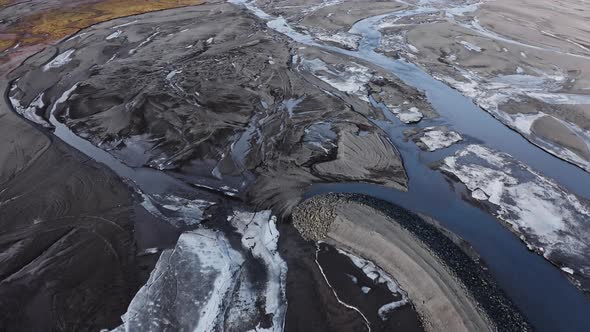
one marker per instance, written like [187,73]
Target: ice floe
[435,138]
[352,79]
[204,284]
[30,112]
[546,216]
[178,211]
[260,237]
[491,93]
[60,60]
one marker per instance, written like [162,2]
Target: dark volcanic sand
[338,268]
[67,246]
[225,104]
[312,304]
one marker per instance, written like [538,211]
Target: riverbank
[450,290]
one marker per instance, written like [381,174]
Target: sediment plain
[164,153]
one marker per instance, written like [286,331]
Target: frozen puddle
[342,39]
[406,115]
[352,80]
[379,276]
[60,60]
[177,211]
[187,288]
[436,138]
[552,221]
[206,284]
[30,112]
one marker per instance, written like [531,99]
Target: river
[539,289]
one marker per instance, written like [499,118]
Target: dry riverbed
[216,124]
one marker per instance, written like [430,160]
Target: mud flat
[433,138]
[530,73]
[233,112]
[232,106]
[68,250]
[204,108]
[446,284]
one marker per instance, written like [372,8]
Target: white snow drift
[545,215]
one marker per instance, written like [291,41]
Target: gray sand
[385,237]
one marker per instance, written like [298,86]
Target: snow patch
[173,73]
[60,60]
[470,46]
[147,40]
[30,112]
[435,138]
[178,211]
[406,115]
[344,39]
[114,35]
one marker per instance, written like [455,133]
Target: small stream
[540,290]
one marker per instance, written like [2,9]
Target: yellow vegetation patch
[58,23]
[4,3]
[6,43]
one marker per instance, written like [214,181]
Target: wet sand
[190,115]
[68,256]
[312,304]
[256,149]
[346,128]
[367,293]
[449,289]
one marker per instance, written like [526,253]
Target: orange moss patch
[6,43]
[59,23]
[4,3]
